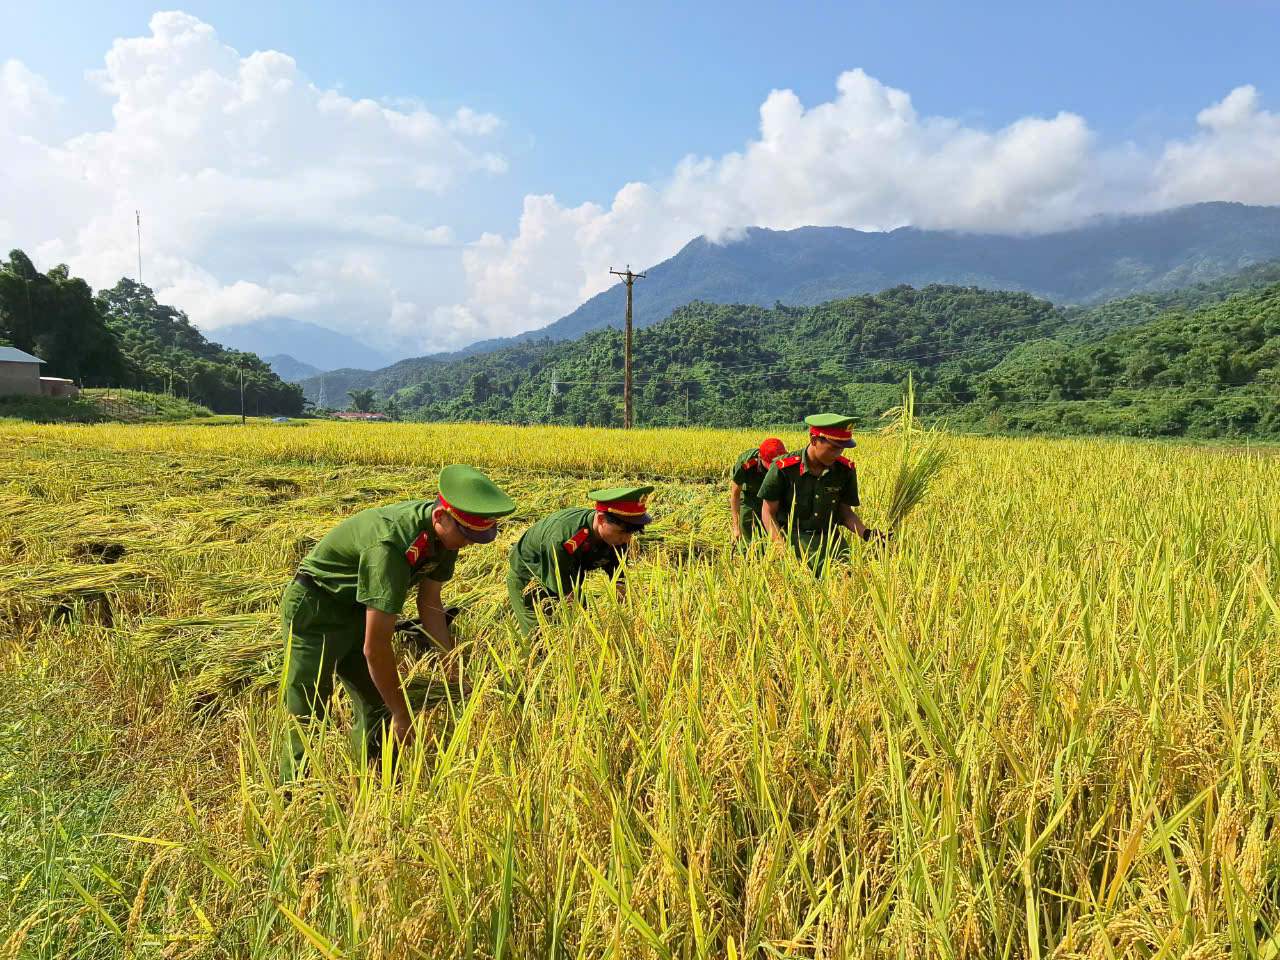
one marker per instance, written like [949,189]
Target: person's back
[749,471]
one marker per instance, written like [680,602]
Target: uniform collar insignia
[577,541]
[421,549]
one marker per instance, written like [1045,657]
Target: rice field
[1041,725]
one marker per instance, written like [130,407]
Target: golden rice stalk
[922,459]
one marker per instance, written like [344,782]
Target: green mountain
[983,359]
[1111,257]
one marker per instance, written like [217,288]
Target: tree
[160,344]
[362,400]
[54,316]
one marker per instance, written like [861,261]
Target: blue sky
[591,97]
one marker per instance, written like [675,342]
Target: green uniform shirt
[807,502]
[373,558]
[748,473]
[543,552]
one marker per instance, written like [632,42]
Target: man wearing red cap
[808,494]
[552,558]
[339,613]
[744,487]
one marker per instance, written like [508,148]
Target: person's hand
[879,538]
[402,729]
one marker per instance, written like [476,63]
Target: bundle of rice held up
[922,458]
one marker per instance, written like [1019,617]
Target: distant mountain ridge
[1111,258]
[291,369]
[312,344]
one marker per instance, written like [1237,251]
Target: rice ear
[923,457]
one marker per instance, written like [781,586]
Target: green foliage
[124,338]
[1201,362]
[166,352]
[1212,372]
[721,365]
[53,316]
[361,400]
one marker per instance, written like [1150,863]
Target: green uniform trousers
[818,548]
[525,602]
[749,523]
[327,639]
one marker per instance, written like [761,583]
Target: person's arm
[772,491]
[735,504]
[769,515]
[849,518]
[431,614]
[378,628]
[846,512]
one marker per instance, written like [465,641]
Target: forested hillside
[1199,361]
[124,338]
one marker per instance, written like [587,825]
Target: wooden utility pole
[628,278]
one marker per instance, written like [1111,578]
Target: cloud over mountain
[265,194]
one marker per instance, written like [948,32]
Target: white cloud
[25,98]
[1234,156]
[262,193]
[867,159]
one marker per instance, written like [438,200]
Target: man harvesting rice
[744,487]
[339,613]
[807,495]
[552,558]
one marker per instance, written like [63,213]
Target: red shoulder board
[419,549]
[790,461]
[752,463]
[846,461]
[578,539]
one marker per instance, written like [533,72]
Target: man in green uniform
[808,494]
[340,611]
[744,487]
[552,558]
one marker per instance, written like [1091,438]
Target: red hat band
[468,520]
[830,433]
[623,508]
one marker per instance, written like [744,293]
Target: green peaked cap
[619,493]
[621,503]
[828,420]
[472,492]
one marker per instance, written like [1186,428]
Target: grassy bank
[101,406]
